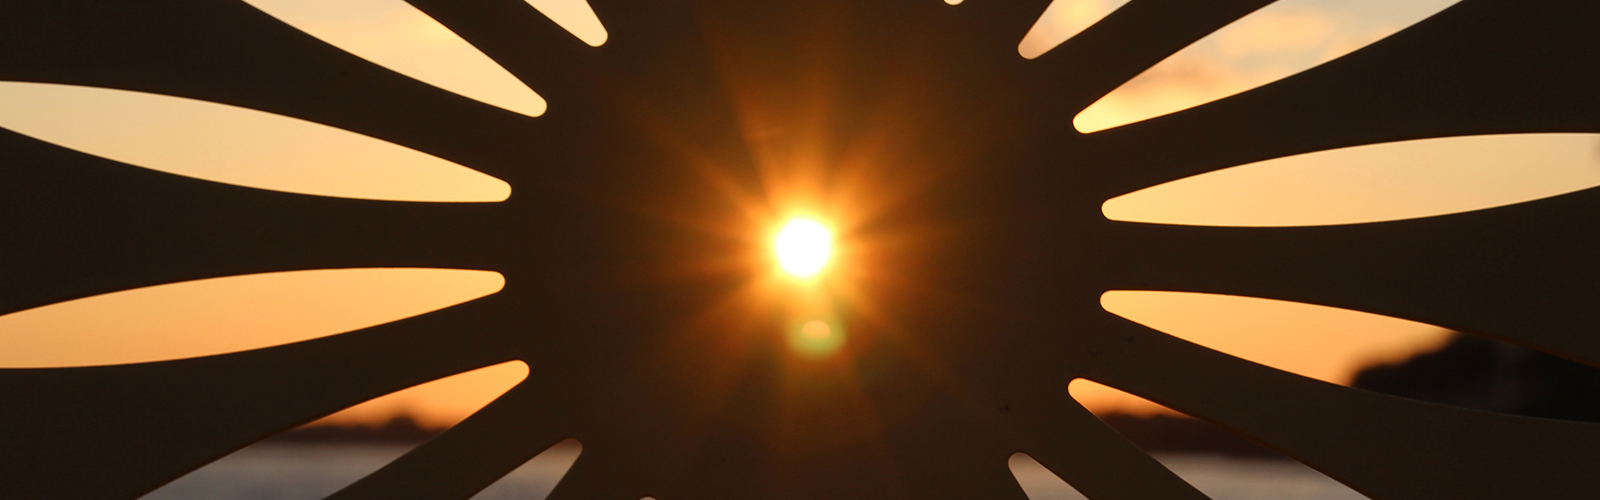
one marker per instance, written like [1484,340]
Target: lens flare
[803,247]
[816,339]
[816,330]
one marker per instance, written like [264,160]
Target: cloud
[1274,43]
[1276,32]
[1176,84]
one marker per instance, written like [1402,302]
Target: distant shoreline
[1155,434]
[401,429]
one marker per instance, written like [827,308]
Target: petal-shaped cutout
[1217,462]
[1102,400]
[576,16]
[1324,343]
[236,145]
[231,314]
[1038,482]
[433,406]
[1062,20]
[1281,39]
[317,459]
[1379,182]
[398,36]
[535,479]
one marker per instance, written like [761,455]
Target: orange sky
[1386,182]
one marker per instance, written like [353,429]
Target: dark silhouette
[1482,374]
[1468,372]
[1181,434]
[953,159]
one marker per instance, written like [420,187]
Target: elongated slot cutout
[230,314]
[1325,343]
[536,478]
[1061,21]
[575,16]
[1279,40]
[1038,482]
[315,460]
[1373,183]
[238,146]
[1217,462]
[398,36]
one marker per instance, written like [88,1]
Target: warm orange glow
[439,404]
[803,247]
[188,319]
[816,330]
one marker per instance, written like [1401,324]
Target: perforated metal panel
[971,317]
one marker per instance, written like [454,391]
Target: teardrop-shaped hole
[1038,482]
[235,145]
[317,459]
[1215,461]
[231,314]
[1279,40]
[1062,20]
[537,477]
[1373,183]
[1363,350]
[576,16]
[396,35]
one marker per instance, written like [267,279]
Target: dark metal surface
[976,329]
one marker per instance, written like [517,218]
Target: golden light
[816,330]
[803,247]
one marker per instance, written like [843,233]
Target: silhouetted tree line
[1468,372]
[1482,374]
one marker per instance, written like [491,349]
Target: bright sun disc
[803,247]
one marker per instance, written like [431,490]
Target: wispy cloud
[1277,41]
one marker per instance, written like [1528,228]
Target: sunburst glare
[803,247]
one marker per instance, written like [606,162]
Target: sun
[803,247]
